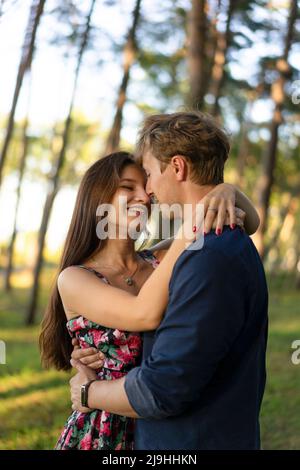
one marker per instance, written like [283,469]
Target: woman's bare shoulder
[72,277]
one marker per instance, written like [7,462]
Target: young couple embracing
[169,343]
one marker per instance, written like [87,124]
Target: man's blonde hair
[193,135]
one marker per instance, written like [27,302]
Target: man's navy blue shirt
[202,378]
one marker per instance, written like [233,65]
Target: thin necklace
[128,279]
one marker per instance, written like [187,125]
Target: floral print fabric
[101,430]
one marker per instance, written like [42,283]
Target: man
[202,378]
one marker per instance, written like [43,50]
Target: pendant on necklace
[129,281]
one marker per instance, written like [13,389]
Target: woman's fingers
[240,223]
[209,220]
[240,217]
[240,214]
[221,217]
[205,201]
[218,212]
[232,214]
[211,214]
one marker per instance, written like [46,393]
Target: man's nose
[149,190]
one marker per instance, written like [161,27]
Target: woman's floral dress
[100,430]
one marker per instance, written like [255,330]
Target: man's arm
[204,316]
[111,394]
[106,395]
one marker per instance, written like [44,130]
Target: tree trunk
[269,162]
[241,159]
[197,33]
[289,226]
[54,180]
[243,148]
[11,247]
[212,41]
[35,15]
[129,52]
[9,267]
[283,230]
[220,59]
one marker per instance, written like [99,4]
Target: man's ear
[180,167]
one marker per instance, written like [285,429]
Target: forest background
[77,78]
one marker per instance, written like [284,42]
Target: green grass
[281,406]
[35,403]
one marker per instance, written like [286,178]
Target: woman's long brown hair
[98,186]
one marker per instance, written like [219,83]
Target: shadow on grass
[42,385]
[34,420]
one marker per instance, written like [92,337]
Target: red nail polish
[232,226]
[204,233]
[219,231]
[194,228]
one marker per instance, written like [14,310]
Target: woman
[119,285]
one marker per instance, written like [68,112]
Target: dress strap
[92,270]
[147,255]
